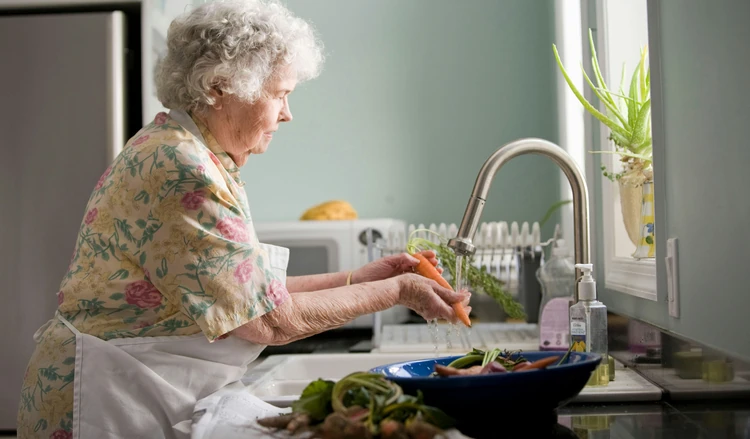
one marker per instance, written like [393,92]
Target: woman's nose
[286,114]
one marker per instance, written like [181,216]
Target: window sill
[632,276]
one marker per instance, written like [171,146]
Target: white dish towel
[231,413]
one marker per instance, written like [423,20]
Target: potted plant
[628,116]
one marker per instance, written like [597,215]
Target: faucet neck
[462,243]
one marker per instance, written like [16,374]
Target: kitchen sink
[308,367]
[280,379]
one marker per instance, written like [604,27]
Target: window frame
[621,274]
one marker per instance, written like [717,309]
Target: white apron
[141,387]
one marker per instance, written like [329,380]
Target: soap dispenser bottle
[588,325]
[557,277]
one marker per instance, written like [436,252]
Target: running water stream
[452,330]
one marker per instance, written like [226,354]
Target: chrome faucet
[462,243]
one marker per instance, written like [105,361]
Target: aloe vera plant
[627,115]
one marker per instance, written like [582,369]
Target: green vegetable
[490,356]
[409,407]
[378,399]
[567,354]
[315,400]
[357,396]
[359,382]
[467,361]
[477,356]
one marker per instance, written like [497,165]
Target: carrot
[429,271]
[538,364]
[520,366]
[426,269]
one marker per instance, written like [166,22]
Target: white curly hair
[235,46]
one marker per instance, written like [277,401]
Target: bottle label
[553,325]
[578,334]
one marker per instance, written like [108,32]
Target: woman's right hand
[428,299]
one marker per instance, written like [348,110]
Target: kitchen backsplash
[684,369]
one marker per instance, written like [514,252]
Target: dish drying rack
[512,253]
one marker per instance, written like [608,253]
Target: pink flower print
[140,140]
[142,325]
[244,271]
[193,200]
[277,292]
[160,118]
[234,229]
[91,216]
[104,176]
[201,169]
[214,159]
[60,298]
[222,337]
[142,294]
[61,434]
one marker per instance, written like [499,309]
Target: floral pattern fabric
[166,247]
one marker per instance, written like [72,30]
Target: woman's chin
[255,151]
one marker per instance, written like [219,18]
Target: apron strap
[67,323]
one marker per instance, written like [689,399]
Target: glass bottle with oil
[588,325]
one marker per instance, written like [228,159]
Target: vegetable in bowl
[478,362]
[478,402]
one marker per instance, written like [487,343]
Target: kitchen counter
[631,421]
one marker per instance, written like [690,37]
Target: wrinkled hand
[428,299]
[389,266]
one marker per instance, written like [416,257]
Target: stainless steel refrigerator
[76,81]
[63,118]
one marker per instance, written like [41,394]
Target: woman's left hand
[390,266]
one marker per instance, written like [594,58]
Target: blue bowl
[480,399]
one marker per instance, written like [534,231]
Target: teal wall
[700,59]
[414,96]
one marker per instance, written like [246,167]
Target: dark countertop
[663,420]
[660,420]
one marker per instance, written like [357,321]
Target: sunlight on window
[625,33]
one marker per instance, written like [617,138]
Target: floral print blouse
[166,247]
[167,244]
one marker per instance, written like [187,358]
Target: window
[622,30]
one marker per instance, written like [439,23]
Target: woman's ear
[218,96]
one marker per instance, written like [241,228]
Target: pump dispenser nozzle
[587,285]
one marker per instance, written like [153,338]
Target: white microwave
[317,247]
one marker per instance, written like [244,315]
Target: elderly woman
[169,295]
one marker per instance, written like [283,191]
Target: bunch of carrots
[414,246]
